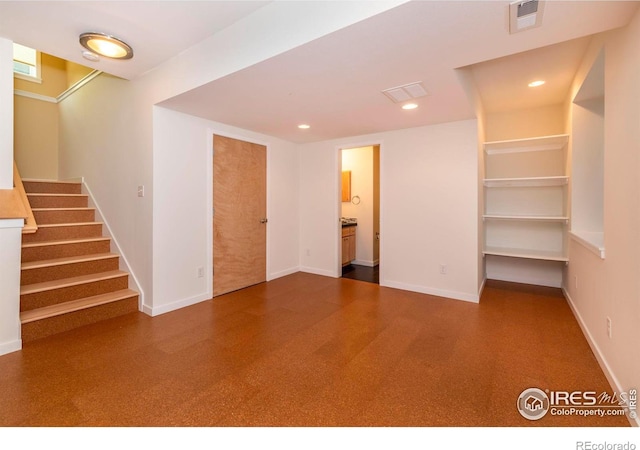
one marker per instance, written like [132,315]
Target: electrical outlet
[609,327]
[200,272]
[141,191]
[575,281]
[443,269]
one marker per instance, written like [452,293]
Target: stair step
[49,320]
[48,293]
[75,305]
[40,200]
[60,268]
[51,186]
[36,251]
[60,231]
[63,215]
[69,277]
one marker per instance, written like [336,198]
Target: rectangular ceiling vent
[405,92]
[524,15]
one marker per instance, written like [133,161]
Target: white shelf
[525,209]
[592,240]
[526,182]
[526,253]
[526,218]
[556,142]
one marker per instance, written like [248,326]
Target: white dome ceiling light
[106,45]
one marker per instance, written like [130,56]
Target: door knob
[263,220]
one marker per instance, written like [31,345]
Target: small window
[26,63]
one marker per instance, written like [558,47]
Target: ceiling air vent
[524,15]
[405,92]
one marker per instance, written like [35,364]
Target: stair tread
[53,194]
[67,260]
[75,305]
[70,208]
[45,180]
[65,242]
[68,224]
[72,281]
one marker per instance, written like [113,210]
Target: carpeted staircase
[69,276]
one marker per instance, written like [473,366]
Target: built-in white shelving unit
[526,214]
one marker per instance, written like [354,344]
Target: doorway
[239,219]
[360,213]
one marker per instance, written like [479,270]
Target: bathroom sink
[349,220]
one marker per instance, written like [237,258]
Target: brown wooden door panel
[240,205]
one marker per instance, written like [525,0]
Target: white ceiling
[157,30]
[503,82]
[334,83]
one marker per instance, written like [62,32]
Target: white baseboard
[10,347]
[602,361]
[473,298]
[283,273]
[481,289]
[313,270]
[520,278]
[158,310]
[359,262]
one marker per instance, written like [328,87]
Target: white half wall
[10,249]
[10,229]
[183,207]
[428,208]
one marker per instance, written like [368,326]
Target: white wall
[360,162]
[6,114]
[11,229]
[587,172]
[600,288]
[105,136]
[428,208]
[182,171]
[10,249]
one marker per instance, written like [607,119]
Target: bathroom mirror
[346,186]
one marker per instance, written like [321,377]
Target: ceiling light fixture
[536,83]
[304,126]
[410,106]
[106,45]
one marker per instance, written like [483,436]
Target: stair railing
[30,225]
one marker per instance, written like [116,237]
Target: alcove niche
[587,160]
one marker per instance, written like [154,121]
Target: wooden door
[240,211]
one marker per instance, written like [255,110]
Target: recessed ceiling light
[410,106]
[536,83]
[304,126]
[106,45]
